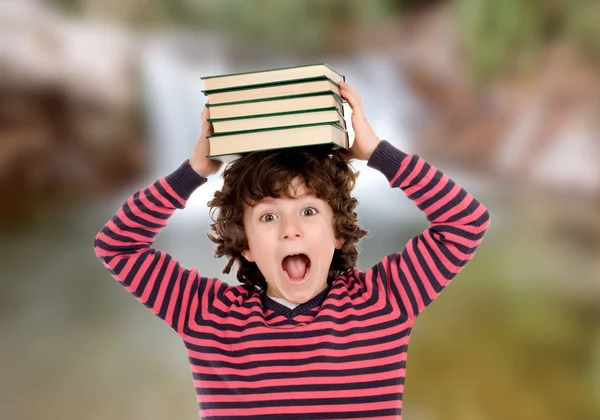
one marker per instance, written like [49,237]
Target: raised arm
[457,224]
[457,221]
[124,244]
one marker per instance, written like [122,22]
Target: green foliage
[497,34]
[70,6]
[488,349]
[292,24]
[582,24]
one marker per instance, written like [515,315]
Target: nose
[290,229]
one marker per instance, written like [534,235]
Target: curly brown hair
[327,174]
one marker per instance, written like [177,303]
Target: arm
[124,246]
[457,224]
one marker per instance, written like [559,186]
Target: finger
[355,103]
[347,95]
[353,92]
[205,118]
[348,88]
[207,127]
[350,95]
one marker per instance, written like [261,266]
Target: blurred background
[100,98]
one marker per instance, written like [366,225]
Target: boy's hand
[365,139]
[199,162]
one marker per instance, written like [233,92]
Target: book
[271,76]
[229,146]
[273,109]
[274,91]
[287,119]
[273,106]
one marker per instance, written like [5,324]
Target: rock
[70,123]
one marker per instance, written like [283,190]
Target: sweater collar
[298,310]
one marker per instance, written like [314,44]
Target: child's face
[292,242]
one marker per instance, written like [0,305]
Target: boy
[307,335]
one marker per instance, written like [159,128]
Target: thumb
[207,127]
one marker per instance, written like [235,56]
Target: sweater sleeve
[457,223]
[124,246]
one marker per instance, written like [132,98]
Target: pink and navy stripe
[341,355]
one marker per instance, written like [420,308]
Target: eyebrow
[268,200]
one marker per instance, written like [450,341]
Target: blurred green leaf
[499,34]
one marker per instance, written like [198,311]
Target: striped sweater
[342,354]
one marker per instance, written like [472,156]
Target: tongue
[295,266]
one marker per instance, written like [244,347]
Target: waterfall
[174,100]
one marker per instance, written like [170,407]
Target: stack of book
[274,109]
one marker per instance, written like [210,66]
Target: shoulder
[233,294]
[211,289]
[357,278]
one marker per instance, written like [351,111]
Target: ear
[248,255]
[339,242]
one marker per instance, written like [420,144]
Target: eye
[268,217]
[309,211]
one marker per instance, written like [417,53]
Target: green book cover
[267,71]
[258,130]
[340,121]
[321,92]
[276,114]
[267,84]
[329,92]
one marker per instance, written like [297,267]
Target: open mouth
[296,267]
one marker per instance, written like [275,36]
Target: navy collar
[298,310]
